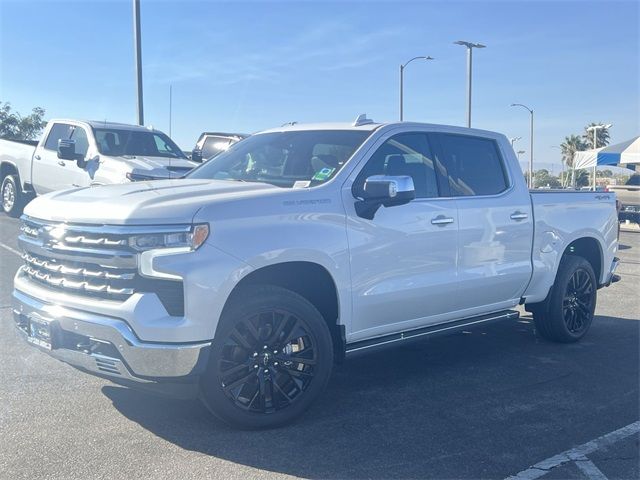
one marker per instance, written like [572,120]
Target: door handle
[61,163]
[441,220]
[37,157]
[517,216]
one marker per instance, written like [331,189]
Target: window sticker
[323,174]
[301,184]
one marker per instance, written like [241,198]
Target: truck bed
[560,217]
[18,153]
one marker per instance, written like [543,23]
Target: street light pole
[402,67]
[138,55]
[470,46]
[514,140]
[530,110]
[595,145]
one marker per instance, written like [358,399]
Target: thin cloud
[331,46]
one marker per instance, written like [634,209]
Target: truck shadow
[463,406]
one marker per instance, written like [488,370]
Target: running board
[395,339]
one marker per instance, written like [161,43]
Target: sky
[247,66]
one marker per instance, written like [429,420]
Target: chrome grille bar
[79,271]
[74,285]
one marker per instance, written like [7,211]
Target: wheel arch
[546,265]
[590,249]
[8,168]
[308,279]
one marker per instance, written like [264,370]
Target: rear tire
[270,359]
[13,200]
[566,315]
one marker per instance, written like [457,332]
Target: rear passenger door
[403,261]
[495,222]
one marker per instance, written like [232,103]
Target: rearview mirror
[66,149]
[196,155]
[386,190]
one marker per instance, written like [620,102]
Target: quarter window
[474,165]
[403,154]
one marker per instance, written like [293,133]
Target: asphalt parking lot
[487,403]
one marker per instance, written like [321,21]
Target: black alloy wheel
[567,312]
[267,361]
[271,357]
[577,306]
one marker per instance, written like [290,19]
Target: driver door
[50,172]
[404,261]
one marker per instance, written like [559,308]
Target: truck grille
[93,261]
[79,276]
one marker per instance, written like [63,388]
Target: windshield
[285,159]
[118,143]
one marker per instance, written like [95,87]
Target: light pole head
[469,44]
[422,57]
[595,127]
[523,106]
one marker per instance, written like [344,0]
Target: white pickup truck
[298,246]
[73,153]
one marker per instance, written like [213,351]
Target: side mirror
[196,155]
[386,190]
[66,149]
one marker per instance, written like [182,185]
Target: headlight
[190,239]
[138,177]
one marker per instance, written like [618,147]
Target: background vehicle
[244,281]
[629,197]
[75,153]
[210,144]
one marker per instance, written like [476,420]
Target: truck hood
[161,167]
[138,203]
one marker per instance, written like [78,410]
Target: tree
[542,178]
[571,145]
[602,136]
[582,178]
[16,127]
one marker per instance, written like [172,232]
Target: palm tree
[571,145]
[602,134]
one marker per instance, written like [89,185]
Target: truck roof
[104,124]
[375,125]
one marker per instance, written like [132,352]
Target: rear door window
[58,131]
[474,165]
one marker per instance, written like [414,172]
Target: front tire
[567,314]
[270,359]
[13,200]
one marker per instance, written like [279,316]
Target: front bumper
[105,346]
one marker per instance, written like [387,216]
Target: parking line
[10,249]
[577,454]
[590,470]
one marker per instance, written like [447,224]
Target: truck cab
[76,154]
[103,153]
